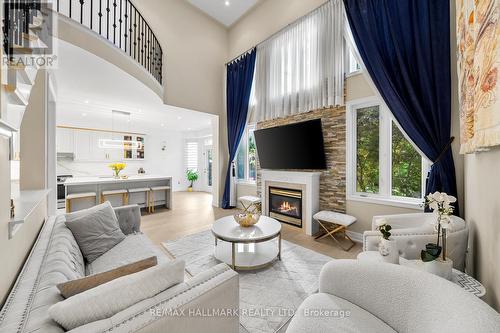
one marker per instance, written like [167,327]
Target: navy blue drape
[239,85]
[405,46]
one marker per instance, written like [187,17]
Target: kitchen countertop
[111,180]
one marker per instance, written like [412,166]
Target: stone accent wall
[333,179]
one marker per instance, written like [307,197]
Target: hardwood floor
[193,212]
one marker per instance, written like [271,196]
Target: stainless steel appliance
[61,191]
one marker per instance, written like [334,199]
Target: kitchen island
[80,185]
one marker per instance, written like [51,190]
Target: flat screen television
[295,146]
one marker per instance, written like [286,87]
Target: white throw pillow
[112,297]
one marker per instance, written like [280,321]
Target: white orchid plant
[441,204]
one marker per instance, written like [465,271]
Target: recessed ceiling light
[189,128]
[84,114]
[162,125]
[86,101]
[179,118]
[227,3]
[140,111]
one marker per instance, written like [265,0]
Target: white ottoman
[250,204]
[334,223]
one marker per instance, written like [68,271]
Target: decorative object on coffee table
[246,219]
[441,205]
[246,248]
[387,246]
[335,223]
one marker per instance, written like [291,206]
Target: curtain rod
[274,34]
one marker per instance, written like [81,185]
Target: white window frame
[244,140]
[352,63]
[190,143]
[384,196]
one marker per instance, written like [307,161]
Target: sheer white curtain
[302,67]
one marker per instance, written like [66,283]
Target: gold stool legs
[330,229]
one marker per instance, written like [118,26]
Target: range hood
[66,156]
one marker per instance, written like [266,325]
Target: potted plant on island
[387,246]
[434,255]
[192,176]
[117,167]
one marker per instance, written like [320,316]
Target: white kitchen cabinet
[84,145]
[65,140]
[98,152]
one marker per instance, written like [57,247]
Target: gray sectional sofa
[56,258]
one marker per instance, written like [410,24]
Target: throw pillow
[70,217]
[96,232]
[73,287]
[109,298]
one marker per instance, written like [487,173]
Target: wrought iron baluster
[81,11]
[142,40]
[107,19]
[114,22]
[120,21]
[91,13]
[70,7]
[125,35]
[100,17]
[135,33]
[57,5]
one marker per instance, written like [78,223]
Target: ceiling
[225,11]
[90,87]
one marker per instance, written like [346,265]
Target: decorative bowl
[246,219]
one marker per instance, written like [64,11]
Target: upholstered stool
[152,196]
[146,194]
[123,193]
[250,204]
[334,223]
[75,196]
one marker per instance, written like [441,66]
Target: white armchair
[413,231]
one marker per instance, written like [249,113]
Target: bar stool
[123,193]
[152,196]
[75,196]
[139,190]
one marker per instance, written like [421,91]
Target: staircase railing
[120,23]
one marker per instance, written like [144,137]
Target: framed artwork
[478,48]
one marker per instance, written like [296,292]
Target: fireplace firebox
[285,205]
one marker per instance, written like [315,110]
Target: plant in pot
[117,167]
[387,246]
[192,176]
[434,255]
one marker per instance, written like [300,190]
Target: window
[191,155]
[353,65]
[246,157]
[382,163]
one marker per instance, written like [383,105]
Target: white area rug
[271,294]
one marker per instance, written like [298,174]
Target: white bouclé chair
[357,296]
[413,231]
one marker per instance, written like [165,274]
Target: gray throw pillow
[96,231]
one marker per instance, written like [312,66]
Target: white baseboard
[355,236]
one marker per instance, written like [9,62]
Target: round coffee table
[247,248]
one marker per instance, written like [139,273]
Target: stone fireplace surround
[307,182]
[331,183]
